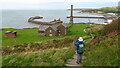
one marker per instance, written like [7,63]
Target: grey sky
[55,4]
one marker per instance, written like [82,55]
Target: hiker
[80,49]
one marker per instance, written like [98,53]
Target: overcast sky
[55,4]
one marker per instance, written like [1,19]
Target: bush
[113,27]
[109,10]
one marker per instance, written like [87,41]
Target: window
[58,31]
[50,30]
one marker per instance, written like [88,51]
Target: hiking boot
[77,62]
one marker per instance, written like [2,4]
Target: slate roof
[44,27]
[54,27]
[64,25]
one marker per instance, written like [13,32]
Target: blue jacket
[77,43]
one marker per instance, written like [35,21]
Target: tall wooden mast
[71,15]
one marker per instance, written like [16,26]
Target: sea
[18,19]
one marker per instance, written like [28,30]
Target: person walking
[79,49]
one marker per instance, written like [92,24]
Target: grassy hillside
[33,50]
[107,10]
[104,53]
[31,35]
[46,58]
[39,46]
[49,53]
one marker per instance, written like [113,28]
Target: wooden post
[71,16]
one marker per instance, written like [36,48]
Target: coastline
[20,28]
[66,23]
[19,19]
[36,26]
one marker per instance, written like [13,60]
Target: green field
[31,35]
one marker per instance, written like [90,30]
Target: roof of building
[64,25]
[10,32]
[44,27]
[54,27]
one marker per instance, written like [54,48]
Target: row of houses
[59,29]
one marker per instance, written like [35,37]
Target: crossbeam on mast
[85,17]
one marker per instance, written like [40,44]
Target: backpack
[81,48]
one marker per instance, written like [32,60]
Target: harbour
[19,18]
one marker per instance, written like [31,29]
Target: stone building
[53,30]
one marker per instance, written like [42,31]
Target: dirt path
[89,33]
[72,62]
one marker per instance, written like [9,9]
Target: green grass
[77,29]
[31,35]
[109,10]
[96,30]
[104,53]
[52,53]
[46,58]
[24,36]
[44,45]
[0,48]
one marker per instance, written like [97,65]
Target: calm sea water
[19,18]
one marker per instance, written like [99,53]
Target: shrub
[113,27]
